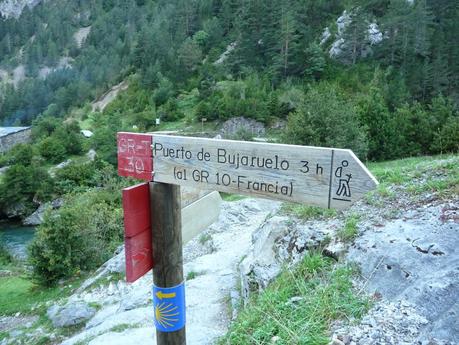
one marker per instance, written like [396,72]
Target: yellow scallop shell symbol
[166,314]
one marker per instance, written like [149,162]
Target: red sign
[135,156]
[137,231]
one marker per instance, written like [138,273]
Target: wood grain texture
[167,246]
[331,178]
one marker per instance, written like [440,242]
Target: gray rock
[15,210]
[86,133]
[233,127]
[91,154]
[36,218]
[5,273]
[114,265]
[14,8]
[57,203]
[3,170]
[415,259]
[135,299]
[261,266]
[277,242]
[63,164]
[226,53]
[71,314]
[16,333]
[52,311]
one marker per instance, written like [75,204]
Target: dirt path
[211,264]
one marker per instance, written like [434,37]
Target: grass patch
[5,256]
[231,197]
[323,292]
[350,229]
[192,274]
[405,170]
[19,294]
[121,328]
[204,238]
[306,212]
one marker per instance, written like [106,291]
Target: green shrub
[300,306]
[52,149]
[5,256]
[75,175]
[69,134]
[326,119]
[379,125]
[44,126]
[21,154]
[25,185]
[79,236]
[445,125]
[413,126]
[447,138]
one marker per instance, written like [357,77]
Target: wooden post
[165,204]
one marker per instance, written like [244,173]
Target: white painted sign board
[326,177]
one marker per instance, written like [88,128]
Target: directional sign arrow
[325,177]
[162,295]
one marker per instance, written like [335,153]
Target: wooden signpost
[326,177]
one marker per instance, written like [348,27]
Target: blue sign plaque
[169,304]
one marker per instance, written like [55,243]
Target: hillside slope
[403,237]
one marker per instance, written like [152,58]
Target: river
[16,238]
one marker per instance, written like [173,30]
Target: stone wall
[9,140]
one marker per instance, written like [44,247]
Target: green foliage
[5,256]
[44,126]
[52,149]
[350,229]
[306,212]
[71,138]
[326,118]
[21,154]
[79,236]
[445,125]
[380,126]
[25,185]
[19,294]
[324,293]
[75,176]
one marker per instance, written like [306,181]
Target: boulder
[71,314]
[15,210]
[86,133]
[261,266]
[237,125]
[4,170]
[278,242]
[91,154]
[36,218]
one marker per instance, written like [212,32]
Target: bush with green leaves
[52,149]
[378,125]
[75,176]
[445,126]
[80,236]
[26,186]
[21,154]
[44,126]
[5,256]
[327,119]
[69,134]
